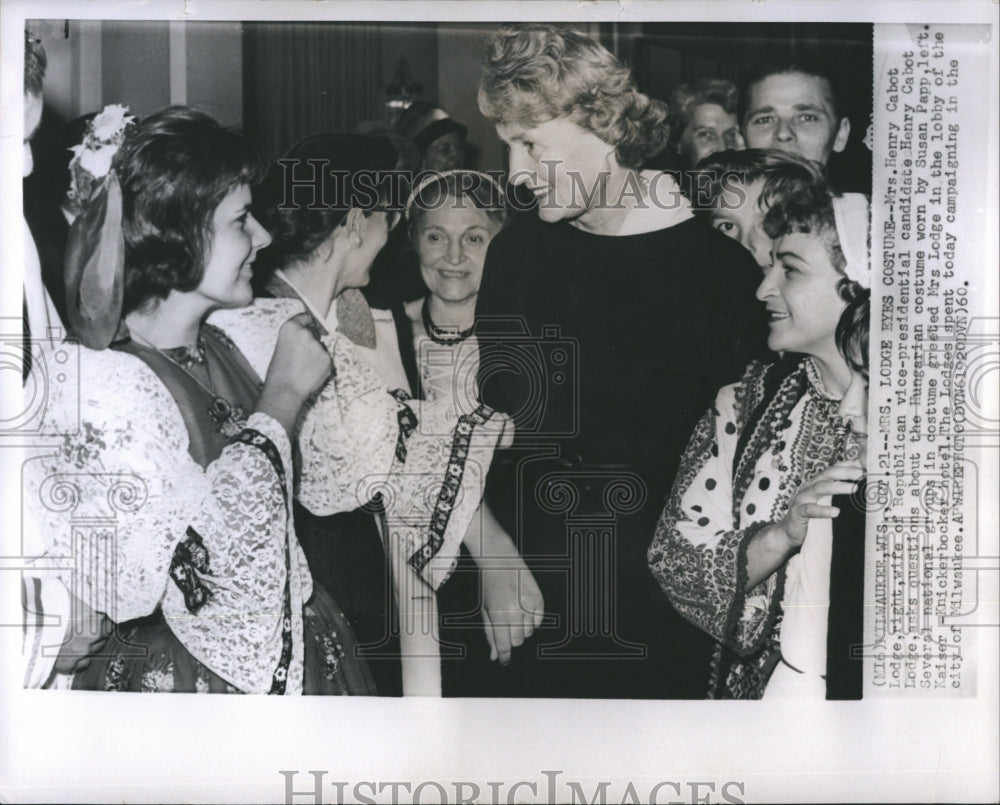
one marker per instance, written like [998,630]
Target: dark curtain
[305,78]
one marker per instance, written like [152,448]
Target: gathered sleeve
[699,551]
[137,524]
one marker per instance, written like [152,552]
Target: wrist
[775,539]
[281,405]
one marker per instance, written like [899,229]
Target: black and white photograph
[592,407]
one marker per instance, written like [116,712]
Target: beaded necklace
[442,335]
[229,419]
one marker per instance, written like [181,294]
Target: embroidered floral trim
[331,650]
[279,681]
[186,357]
[735,677]
[816,379]
[467,423]
[765,429]
[116,675]
[761,598]
[254,438]
[218,334]
[686,571]
[407,422]
[158,677]
[748,392]
[191,558]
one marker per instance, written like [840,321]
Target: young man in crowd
[794,109]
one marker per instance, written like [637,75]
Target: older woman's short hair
[458,189]
[689,96]
[783,174]
[175,168]
[810,210]
[536,73]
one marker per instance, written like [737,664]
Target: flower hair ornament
[95,251]
[437,176]
[92,158]
[850,212]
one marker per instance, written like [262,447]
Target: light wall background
[148,65]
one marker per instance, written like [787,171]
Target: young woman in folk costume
[191,397]
[321,255]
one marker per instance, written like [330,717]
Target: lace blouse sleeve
[139,524]
[359,440]
[698,553]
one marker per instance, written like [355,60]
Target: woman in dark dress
[606,323]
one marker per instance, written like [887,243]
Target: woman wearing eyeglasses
[323,248]
[327,205]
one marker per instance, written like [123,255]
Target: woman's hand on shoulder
[300,359]
[299,368]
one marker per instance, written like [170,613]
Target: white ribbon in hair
[437,176]
[850,212]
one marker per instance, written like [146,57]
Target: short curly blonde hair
[536,73]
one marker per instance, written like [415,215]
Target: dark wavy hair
[350,170]
[35,64]
[783,173]
[175,168]
[810,210]
[852,332]
[536,73]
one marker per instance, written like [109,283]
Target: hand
[837,479]
[512,606]
[299,368]
[88,631]
[300,362]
